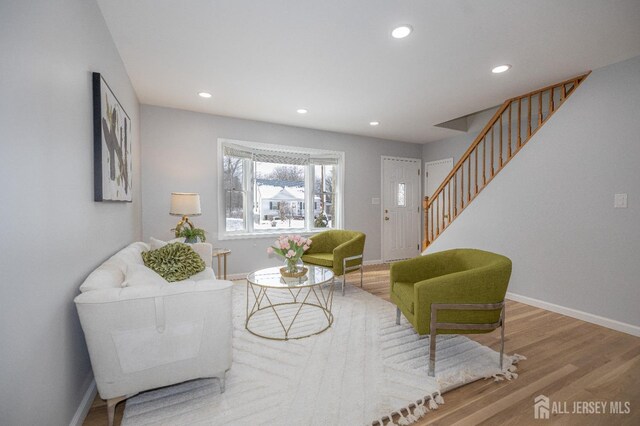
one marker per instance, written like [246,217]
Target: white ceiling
[263,59]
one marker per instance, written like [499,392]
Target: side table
[221,253]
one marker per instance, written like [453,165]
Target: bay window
[265,189]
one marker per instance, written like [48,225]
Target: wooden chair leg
[111,407]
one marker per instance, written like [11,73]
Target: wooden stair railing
[510,128]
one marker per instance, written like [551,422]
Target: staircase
[511,127]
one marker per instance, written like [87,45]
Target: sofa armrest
[141,338]
[141,292]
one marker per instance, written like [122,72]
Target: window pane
[234,194]
[402,202]
[280,196]
[235,217]
[324,196]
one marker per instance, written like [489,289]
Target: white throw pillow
[156,243]
[140,275]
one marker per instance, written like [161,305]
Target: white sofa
[142,336]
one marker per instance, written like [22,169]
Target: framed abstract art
[112,163]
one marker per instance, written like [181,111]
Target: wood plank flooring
[567,360]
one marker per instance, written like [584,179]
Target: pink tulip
[305,247]
[291,253]
[309,241]
[270,250]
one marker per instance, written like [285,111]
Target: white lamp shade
[185,204]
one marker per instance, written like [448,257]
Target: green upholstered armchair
[339,250]
[452,292]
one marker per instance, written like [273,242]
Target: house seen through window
[267,189]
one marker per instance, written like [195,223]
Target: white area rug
[360,371]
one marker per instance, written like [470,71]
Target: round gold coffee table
[289,308]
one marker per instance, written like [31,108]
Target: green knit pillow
[174,262]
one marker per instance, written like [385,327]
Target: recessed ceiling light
[501,68]
[401,31]
[374,123]
[301,111]
[204,94]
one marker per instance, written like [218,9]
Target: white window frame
[249,232]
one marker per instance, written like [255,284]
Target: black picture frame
[112,162]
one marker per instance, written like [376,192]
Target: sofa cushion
[140,275]
[404,292]
[174,262]
[322,259]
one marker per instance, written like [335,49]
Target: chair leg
[502,315]
[361,275]
[344,274]
[397,316]
[111,407]
[432,341]
[432,354]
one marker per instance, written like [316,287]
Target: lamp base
[184,221]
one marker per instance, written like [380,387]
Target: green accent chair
[338,250]
[458,291]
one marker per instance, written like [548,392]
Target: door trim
[432,163]
[420,224]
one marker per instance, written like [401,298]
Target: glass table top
[270,277]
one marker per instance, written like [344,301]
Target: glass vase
[293,265]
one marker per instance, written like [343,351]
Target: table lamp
[184,204]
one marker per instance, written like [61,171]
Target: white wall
[551,209]
[53,233]
[455,146]
[179,153]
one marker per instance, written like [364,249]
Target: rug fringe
[509,372]
[415,411]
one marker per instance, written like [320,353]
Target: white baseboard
[85,404]
[374,262]
[634,330]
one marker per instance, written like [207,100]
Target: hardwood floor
[567,360]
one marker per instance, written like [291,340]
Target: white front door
[434,174]
[400,208]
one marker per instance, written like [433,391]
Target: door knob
[386,218]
